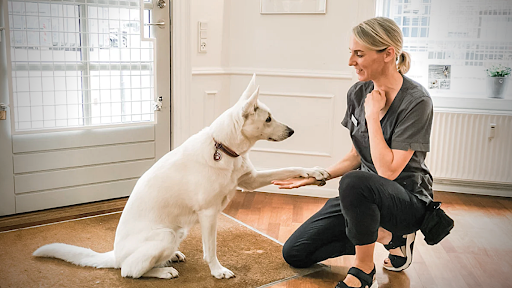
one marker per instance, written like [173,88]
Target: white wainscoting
[271,72]
[308,101]
[462,158]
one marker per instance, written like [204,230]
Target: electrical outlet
[203,45]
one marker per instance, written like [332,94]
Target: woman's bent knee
[351,186]
[294,256]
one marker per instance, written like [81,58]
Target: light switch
[202,36]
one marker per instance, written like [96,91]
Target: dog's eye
[268,119]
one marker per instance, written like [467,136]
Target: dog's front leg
[257,179]
[208,222]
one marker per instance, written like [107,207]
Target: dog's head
[259,123]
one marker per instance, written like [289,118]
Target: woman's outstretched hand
[294,182]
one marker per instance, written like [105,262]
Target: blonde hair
[378,34]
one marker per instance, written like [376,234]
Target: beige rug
[255,259]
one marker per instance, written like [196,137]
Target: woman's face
[369,64]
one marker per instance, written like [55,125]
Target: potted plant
[497,81]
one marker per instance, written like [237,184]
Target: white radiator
[462,154]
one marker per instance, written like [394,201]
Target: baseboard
[53,215]
[473,187]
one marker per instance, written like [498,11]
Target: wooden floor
[478,252]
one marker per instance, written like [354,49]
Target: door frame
[181,71]
[7,198]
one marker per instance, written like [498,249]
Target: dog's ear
[251,105]
[249,90]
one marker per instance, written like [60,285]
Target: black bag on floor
[436,224]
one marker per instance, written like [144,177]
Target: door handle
[158,104]
[3,111]
[160,24]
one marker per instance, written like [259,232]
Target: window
[79,64]
[462,38]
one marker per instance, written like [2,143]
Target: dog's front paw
[318,172]
[222,273]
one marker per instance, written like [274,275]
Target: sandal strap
[397,241]
[397,261]
[365,279]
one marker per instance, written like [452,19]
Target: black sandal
[406,245]
[367,280]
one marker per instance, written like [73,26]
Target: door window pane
[73,64]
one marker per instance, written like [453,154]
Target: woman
[390,118]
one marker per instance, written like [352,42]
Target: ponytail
[404,62]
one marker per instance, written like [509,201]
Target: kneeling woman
[390,118]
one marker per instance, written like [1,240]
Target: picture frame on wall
[293,6]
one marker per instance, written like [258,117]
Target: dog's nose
[290,131]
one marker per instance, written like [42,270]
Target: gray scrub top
[406,125]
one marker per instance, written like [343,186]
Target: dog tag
[217,156]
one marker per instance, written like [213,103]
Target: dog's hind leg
[163,273]
[146,260]
[176,257]
[208,221]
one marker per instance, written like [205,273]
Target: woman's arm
[348,163]
[388,162]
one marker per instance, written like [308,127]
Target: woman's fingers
[293,183]
[282,182]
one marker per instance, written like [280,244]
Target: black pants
[367,201]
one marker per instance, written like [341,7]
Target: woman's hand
[294,182]
[374,102]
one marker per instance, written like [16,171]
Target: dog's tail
[77,255]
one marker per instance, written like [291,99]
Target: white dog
[192,182]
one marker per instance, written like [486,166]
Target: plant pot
[496,86]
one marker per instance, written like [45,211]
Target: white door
[81,82]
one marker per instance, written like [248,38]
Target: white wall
[210,91]
[303,42]
[242,41]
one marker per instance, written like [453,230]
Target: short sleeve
[413,129]
[350,107]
